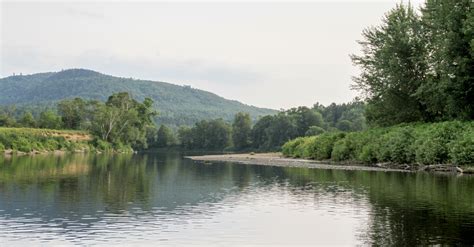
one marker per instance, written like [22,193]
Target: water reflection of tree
[407,209]
[120,180]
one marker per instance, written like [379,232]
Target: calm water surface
[163,199]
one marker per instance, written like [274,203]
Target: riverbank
[277,159]
[31,141]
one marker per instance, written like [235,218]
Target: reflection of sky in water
[156,199]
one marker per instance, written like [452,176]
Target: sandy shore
[276,159]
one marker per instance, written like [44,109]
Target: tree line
[418,66]
[268,132]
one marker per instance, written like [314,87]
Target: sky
[268,54]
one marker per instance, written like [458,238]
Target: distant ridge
[177,105]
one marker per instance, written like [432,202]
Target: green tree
[345,125]
[259,134]
[73,112]
[49,120]
[185,136]
[123,120]
[305,118]
[7,116]
[241,130]
[449,30]
[281,130]
[165,137]
[393,68]
[314,131]
[27,120]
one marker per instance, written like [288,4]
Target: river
[163,199]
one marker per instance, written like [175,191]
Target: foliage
[351,114]
[419,67]
[123,120]
[73,112]
[426,143]
[49,120]
[165,137]
[208,135]
[241,130]
[27,120]
[314,130]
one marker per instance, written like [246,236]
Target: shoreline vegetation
[415,146]
[30,141]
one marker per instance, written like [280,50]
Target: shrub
[103,146]
[289,147]
[51,144]
[397,145]
[2,147]
[350,146]
[409,143]
[22,144]
[321,146]
[432,142]
[461,150]
[368,154]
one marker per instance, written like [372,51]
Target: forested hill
[177,105]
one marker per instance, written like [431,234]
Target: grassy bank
[30,140]
[425,144]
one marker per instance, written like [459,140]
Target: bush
[22,144]
[320,148]
[2,148]
[423,143]
[350,146]
[432,142]
[368,154]
[397,145]
[462,150]
[103,146]
[289,148]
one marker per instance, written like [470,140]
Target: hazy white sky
[276,55]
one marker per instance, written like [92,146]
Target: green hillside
[177,105]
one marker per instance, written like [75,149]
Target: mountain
[177,105]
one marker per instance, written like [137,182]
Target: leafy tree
[280,131]
[314,131]
[123,120]
[7,116]
[259,134]
[449,30]
[345,125]
[165,137]
[49,120]
[27,120]
[393,67]
[212,135]
[304,118]
[241,130]
[73,112]
[185,136]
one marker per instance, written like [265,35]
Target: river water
[163,199]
